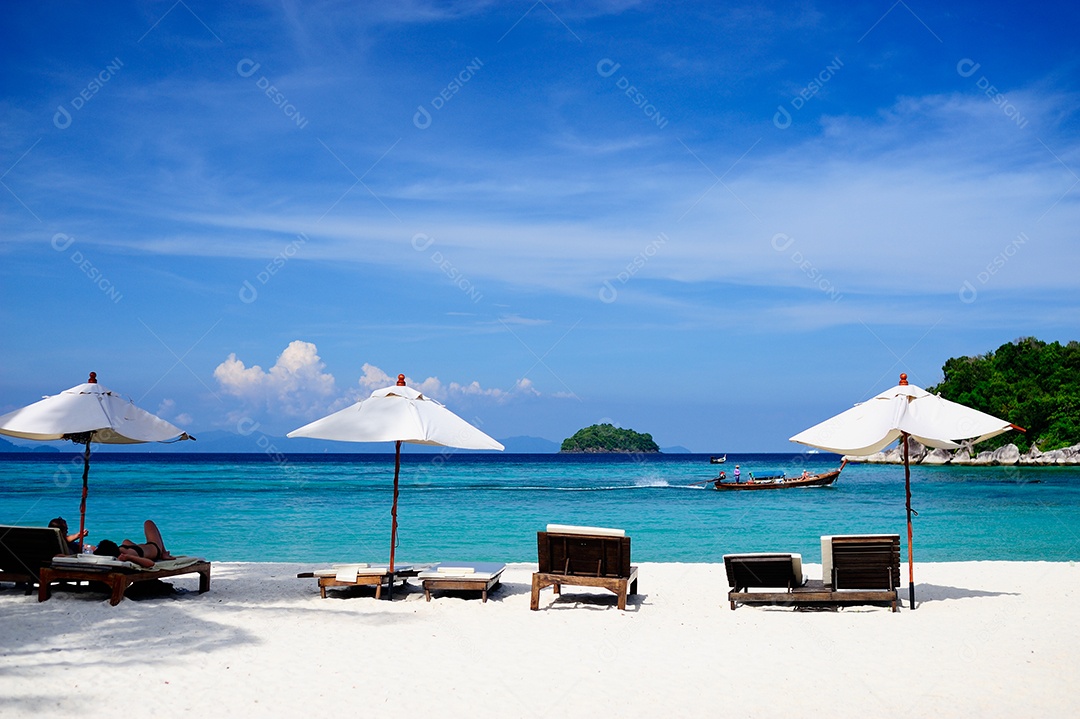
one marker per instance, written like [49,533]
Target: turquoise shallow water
[323,508]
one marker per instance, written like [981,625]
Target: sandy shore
[988,639]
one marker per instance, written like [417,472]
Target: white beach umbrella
[898,413]
[88,413]
[398,414]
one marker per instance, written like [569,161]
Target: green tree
[608,438]
[1033,384]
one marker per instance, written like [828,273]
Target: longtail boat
[814,480]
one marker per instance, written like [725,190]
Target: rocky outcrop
[1007,455]
[937,456]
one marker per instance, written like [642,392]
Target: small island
[608,438]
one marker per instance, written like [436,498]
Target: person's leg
[128,555]
[153,535]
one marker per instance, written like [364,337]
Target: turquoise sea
[327,508]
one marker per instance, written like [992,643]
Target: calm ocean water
[326,508]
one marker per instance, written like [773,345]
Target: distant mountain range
[229,443]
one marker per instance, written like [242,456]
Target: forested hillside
[1030,383]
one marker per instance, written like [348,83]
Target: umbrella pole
[907,488]
[393,517]
[85,484]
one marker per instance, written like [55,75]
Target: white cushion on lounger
[826,559]
[92,561]
[571,529]
[481,571]
[349,572]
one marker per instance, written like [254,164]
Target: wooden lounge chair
[858,569]
[863,568]
[361,575]
[747,572]
[25,550]
[584,556]
[117,575]
[466,576]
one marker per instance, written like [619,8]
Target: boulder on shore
[1008,454]
[937,456]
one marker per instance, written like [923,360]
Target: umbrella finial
[903,379]
[93,378]
[401,380]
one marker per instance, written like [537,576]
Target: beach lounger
[25,550]
[857,569]
[749,574]
[467,576]
[118,575]
[862,567]
[361,575]
[584,556]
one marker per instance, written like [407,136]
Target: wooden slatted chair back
[760,571]
[25,550]
[866,562]
[583,555]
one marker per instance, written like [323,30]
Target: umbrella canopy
[898,413]
[87,413]
[398,414]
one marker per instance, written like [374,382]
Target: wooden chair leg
[534,599]
[118,587]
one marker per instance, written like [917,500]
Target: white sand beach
[988,639]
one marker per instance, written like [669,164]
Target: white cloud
[296,385]
[375,378]
[166,410]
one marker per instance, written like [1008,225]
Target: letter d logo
[782,118]
[246,67]
[248,293]
[422,118]
[607,67]
[62,118]
[61,242]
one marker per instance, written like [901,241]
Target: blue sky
[719,225]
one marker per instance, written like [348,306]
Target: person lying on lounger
[145,555]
